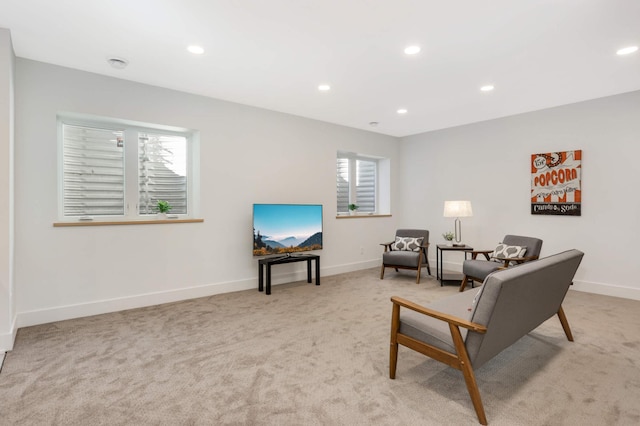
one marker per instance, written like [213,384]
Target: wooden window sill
[126,222]
[361,216]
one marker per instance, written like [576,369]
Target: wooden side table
[440,248]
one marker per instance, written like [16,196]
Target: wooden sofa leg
[382,272]
[565,324]
[463,284]
[467,372]
[474,393]
[393,349]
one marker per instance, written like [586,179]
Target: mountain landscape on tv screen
[264,245]
[291,241]
[314,240]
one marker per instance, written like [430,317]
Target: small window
[111,170]
[356,183]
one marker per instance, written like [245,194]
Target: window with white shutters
[356,182]
[117,170]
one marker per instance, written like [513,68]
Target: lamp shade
[457,209]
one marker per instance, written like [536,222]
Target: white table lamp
[457,209]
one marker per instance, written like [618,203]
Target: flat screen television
[286,228]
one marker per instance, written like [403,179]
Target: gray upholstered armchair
[408,251]
[513,250]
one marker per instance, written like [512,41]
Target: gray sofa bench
[466,330]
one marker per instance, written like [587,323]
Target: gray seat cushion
[433,331]
[401,258]
[479,268]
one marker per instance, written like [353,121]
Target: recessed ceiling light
[402,111]
[196,50]
[412,50]
[117,63]
[373,123]
[627,50]
[487,88]
[324,87]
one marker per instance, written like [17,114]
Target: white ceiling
[274,53]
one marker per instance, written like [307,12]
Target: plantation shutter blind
[93,171]
[366,185]
[162,172]
[342,184]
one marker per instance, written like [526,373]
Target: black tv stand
[268,261]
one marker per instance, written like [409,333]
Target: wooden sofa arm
[518,260]
[451,319]
[475,253]
[387,246]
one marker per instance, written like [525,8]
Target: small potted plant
[163,208]
[353,208]
[448,236]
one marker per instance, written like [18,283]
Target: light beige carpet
[315,355]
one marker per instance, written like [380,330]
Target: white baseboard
[584,286]
[7,339]
[61,313]
[606,289]
[447,266]
[351,267]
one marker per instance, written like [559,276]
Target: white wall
[7,285]
[248,155]
[488,163]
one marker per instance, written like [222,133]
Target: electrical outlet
[361,250]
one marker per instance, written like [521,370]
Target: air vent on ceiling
[118,63]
